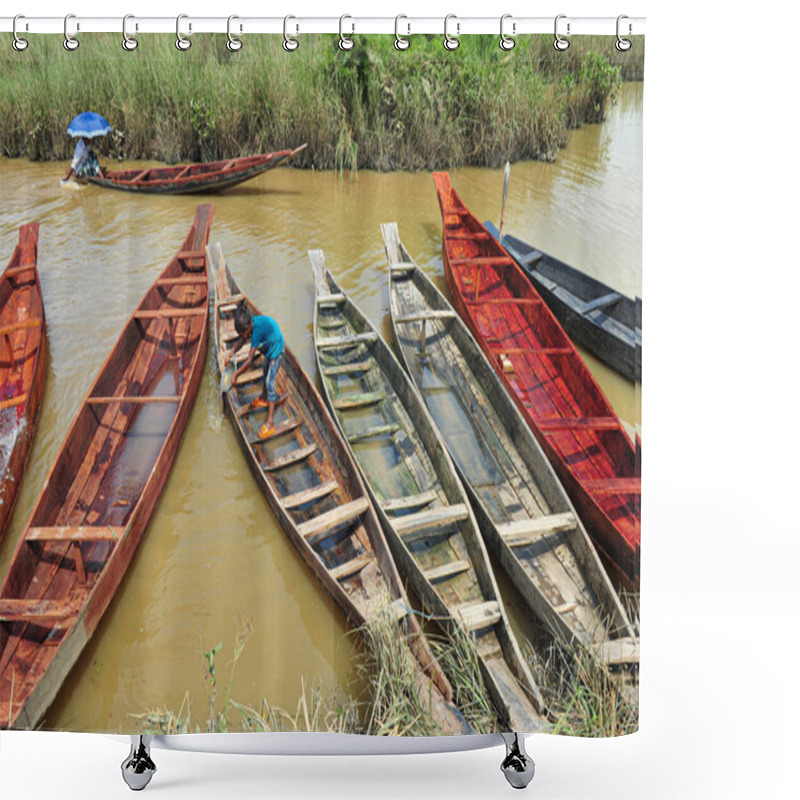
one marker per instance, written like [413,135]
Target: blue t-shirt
[267,337]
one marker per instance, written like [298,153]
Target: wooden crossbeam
[480,615]
[281,429]
[331,299]
[347,369]
[410,501]
[482,261]
[512,301]
[352,567]
[614,486]
[369,433]
[423,523]
[164,313]
[425,316]
[618,651]
[334,342]
[526,531]
[447,570]
[309,495]
[189,255]
[349,401]
[479,236]
[133,399]
[82,533]
[534,351]
[50,613]
[185,281]
[288,459]
[333,518]
[601,302]
[229,303]
[579,423]
[20,326]
[12,271]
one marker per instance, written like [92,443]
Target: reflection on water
[213,552]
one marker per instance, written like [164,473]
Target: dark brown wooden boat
[103,485]
[23,364]
[205,177]
[426,515]
[312,484]
[526,518]
[550,383]
[604,321]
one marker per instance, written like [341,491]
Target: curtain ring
[400,42]
[345,43]
[623,45]
[290,44]
[234,44]
[128,42]
[506,42]
[19,43]
[561,43]
[70,42]
[181,42]
[451,42]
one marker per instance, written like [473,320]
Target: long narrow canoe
[205,177]
[548,380]
[607,323]
[312,484]
[23,364]
[526,517]
[420,500]
[103,486]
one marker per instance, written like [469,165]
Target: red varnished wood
[23,363]
[105,477]
[548,381]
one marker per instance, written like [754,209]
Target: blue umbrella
[88,125]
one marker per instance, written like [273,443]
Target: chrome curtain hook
[623,45]
[506,42]
[345,43]
[234,44]
[451,42]
[400,42]
[290,44]
[70,42]
[128,42]
[19,43]
[181,42]
[561,43]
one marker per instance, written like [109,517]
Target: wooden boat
[205,177]
[103,486]
[420,500]
[553,388]
[23,364]
[608,324]
[526,517]
[312,484]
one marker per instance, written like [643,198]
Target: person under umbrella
[84,127]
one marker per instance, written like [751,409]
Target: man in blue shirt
[265,338]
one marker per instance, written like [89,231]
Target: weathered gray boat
[414,486]
[526,517]
[607,323]
[308,476]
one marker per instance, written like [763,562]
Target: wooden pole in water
[506,179]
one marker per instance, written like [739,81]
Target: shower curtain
[320,386]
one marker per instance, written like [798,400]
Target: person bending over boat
[84,162]
[265,338]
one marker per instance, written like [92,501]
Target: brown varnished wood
[544,386]
[85,526]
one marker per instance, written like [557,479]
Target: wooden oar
[506,179]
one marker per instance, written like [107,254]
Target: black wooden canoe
[607,323]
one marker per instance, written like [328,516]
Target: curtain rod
[298,25]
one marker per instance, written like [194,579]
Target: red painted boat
[548,380]
[23,364]
[205,177]
[103,486]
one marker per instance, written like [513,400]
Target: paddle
[226,381]
[506,179]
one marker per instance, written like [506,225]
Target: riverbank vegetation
[370,107]
[583,697]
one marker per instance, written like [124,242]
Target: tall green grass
[370,107]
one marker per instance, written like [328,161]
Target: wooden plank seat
[469,235]
[318,527]
[410,501]
[446,571]
[20,326]
[229,303]
[334,342]
[36,612]
[526,531]
[185,281]
[378,430]
[533,351]
[309,495]
[330,299]
[250,376]
[482,261]
[476,616]
[190,255]
[614,486]
[281,429]
[347,369]
[532,258]
[579,423]
[618,651]
[348,401]
[402,267]
[601,302]
[287,460]
[426,316]
[81,533]
[20,268]
[332,323]
[424,523]
[351,567]
[133,398]
[502,301]
[164,313]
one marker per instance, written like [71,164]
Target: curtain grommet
[129,43]
[345,42]
[506,42]
[70,42]
[451,42]
[560,42]
[182,42]
[19,43]
[622,44]
[290,44]
[234,44]
[401,43]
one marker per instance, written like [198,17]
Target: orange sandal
[264,432]
[259,402]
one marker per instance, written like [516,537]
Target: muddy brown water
[214,555]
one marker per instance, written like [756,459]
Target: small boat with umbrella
[84,127]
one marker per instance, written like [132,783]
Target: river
[213,554]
